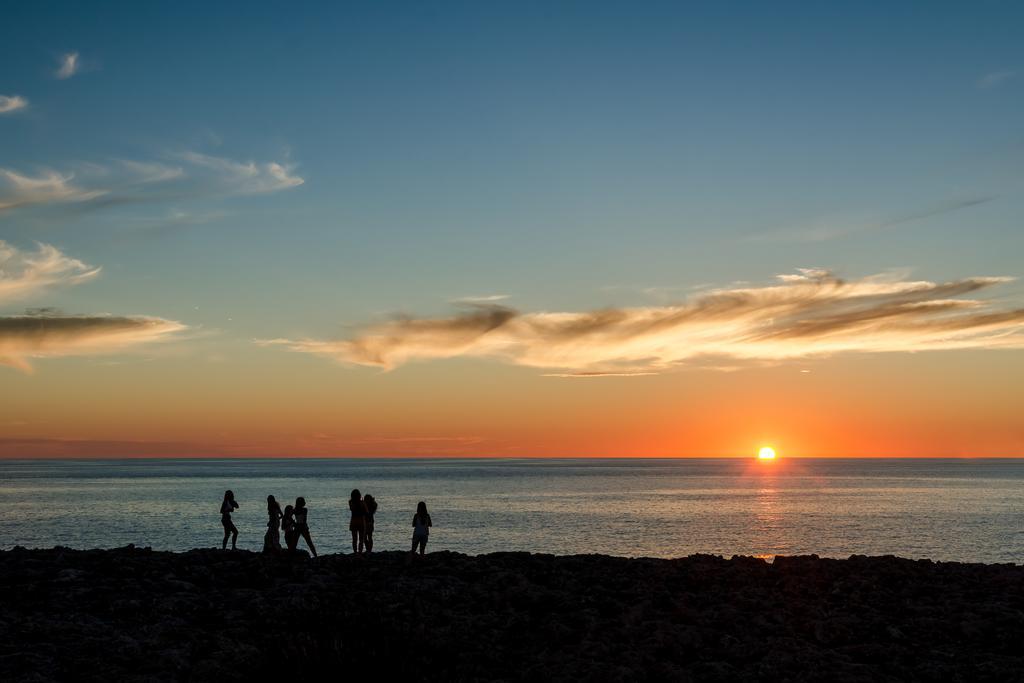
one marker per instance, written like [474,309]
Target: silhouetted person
[226,508]
[301,526]
[420,528]
[357,525]
[371,508]
[272,541]
[291,536]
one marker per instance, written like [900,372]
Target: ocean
[953,510]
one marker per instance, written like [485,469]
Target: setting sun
[766,453]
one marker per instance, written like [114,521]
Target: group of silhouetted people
[361,523]
[293,521]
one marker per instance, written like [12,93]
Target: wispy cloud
[26,273]
[121,182]
[994,79]
[248,177]
[489,298]
[17,189]
[152,171]
[47,334]
[809,313]
[69,66]
[43,333]
[836,228]
[12,103]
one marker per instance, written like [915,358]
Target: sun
[766,453]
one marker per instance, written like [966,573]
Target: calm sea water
[968,510]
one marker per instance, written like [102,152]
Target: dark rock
[136,614]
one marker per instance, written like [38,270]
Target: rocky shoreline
[134,614]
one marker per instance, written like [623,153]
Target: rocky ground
[133,614]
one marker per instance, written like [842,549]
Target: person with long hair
[272,540]
[226,508]
[357,524]
[371,508]
[420,528]
[291,536]
[301,523]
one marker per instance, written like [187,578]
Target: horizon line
[80,458]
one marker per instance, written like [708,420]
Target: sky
[511,229]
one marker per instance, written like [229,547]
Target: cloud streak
[835,230]
[12,103]
[248,177]
[17,189]
[995,79]
[24,274]
[122,182]
[809,313]
[47,335]
[69,66]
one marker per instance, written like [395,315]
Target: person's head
[300,502]
[421,508]
[272,503]
[288,510]
[229,495]
[356,496]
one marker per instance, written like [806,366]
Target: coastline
[138,614]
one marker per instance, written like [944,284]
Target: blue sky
[568,155]
[592,145]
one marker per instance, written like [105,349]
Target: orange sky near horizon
[920,405]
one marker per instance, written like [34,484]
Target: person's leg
[423,545]
[355,541]
[369,541]
[234,537]
[415,542]
[309,541]
[227,533]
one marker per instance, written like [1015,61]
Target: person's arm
[429,521]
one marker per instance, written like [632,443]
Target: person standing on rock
[272,541]
[420,528]
[371,508]
[357,524]
[226,509]
[291,536]
[301,525]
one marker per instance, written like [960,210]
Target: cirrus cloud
[98,185]
[19,189]
[809,313]
[25,273]
[248,177]
[125,181]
